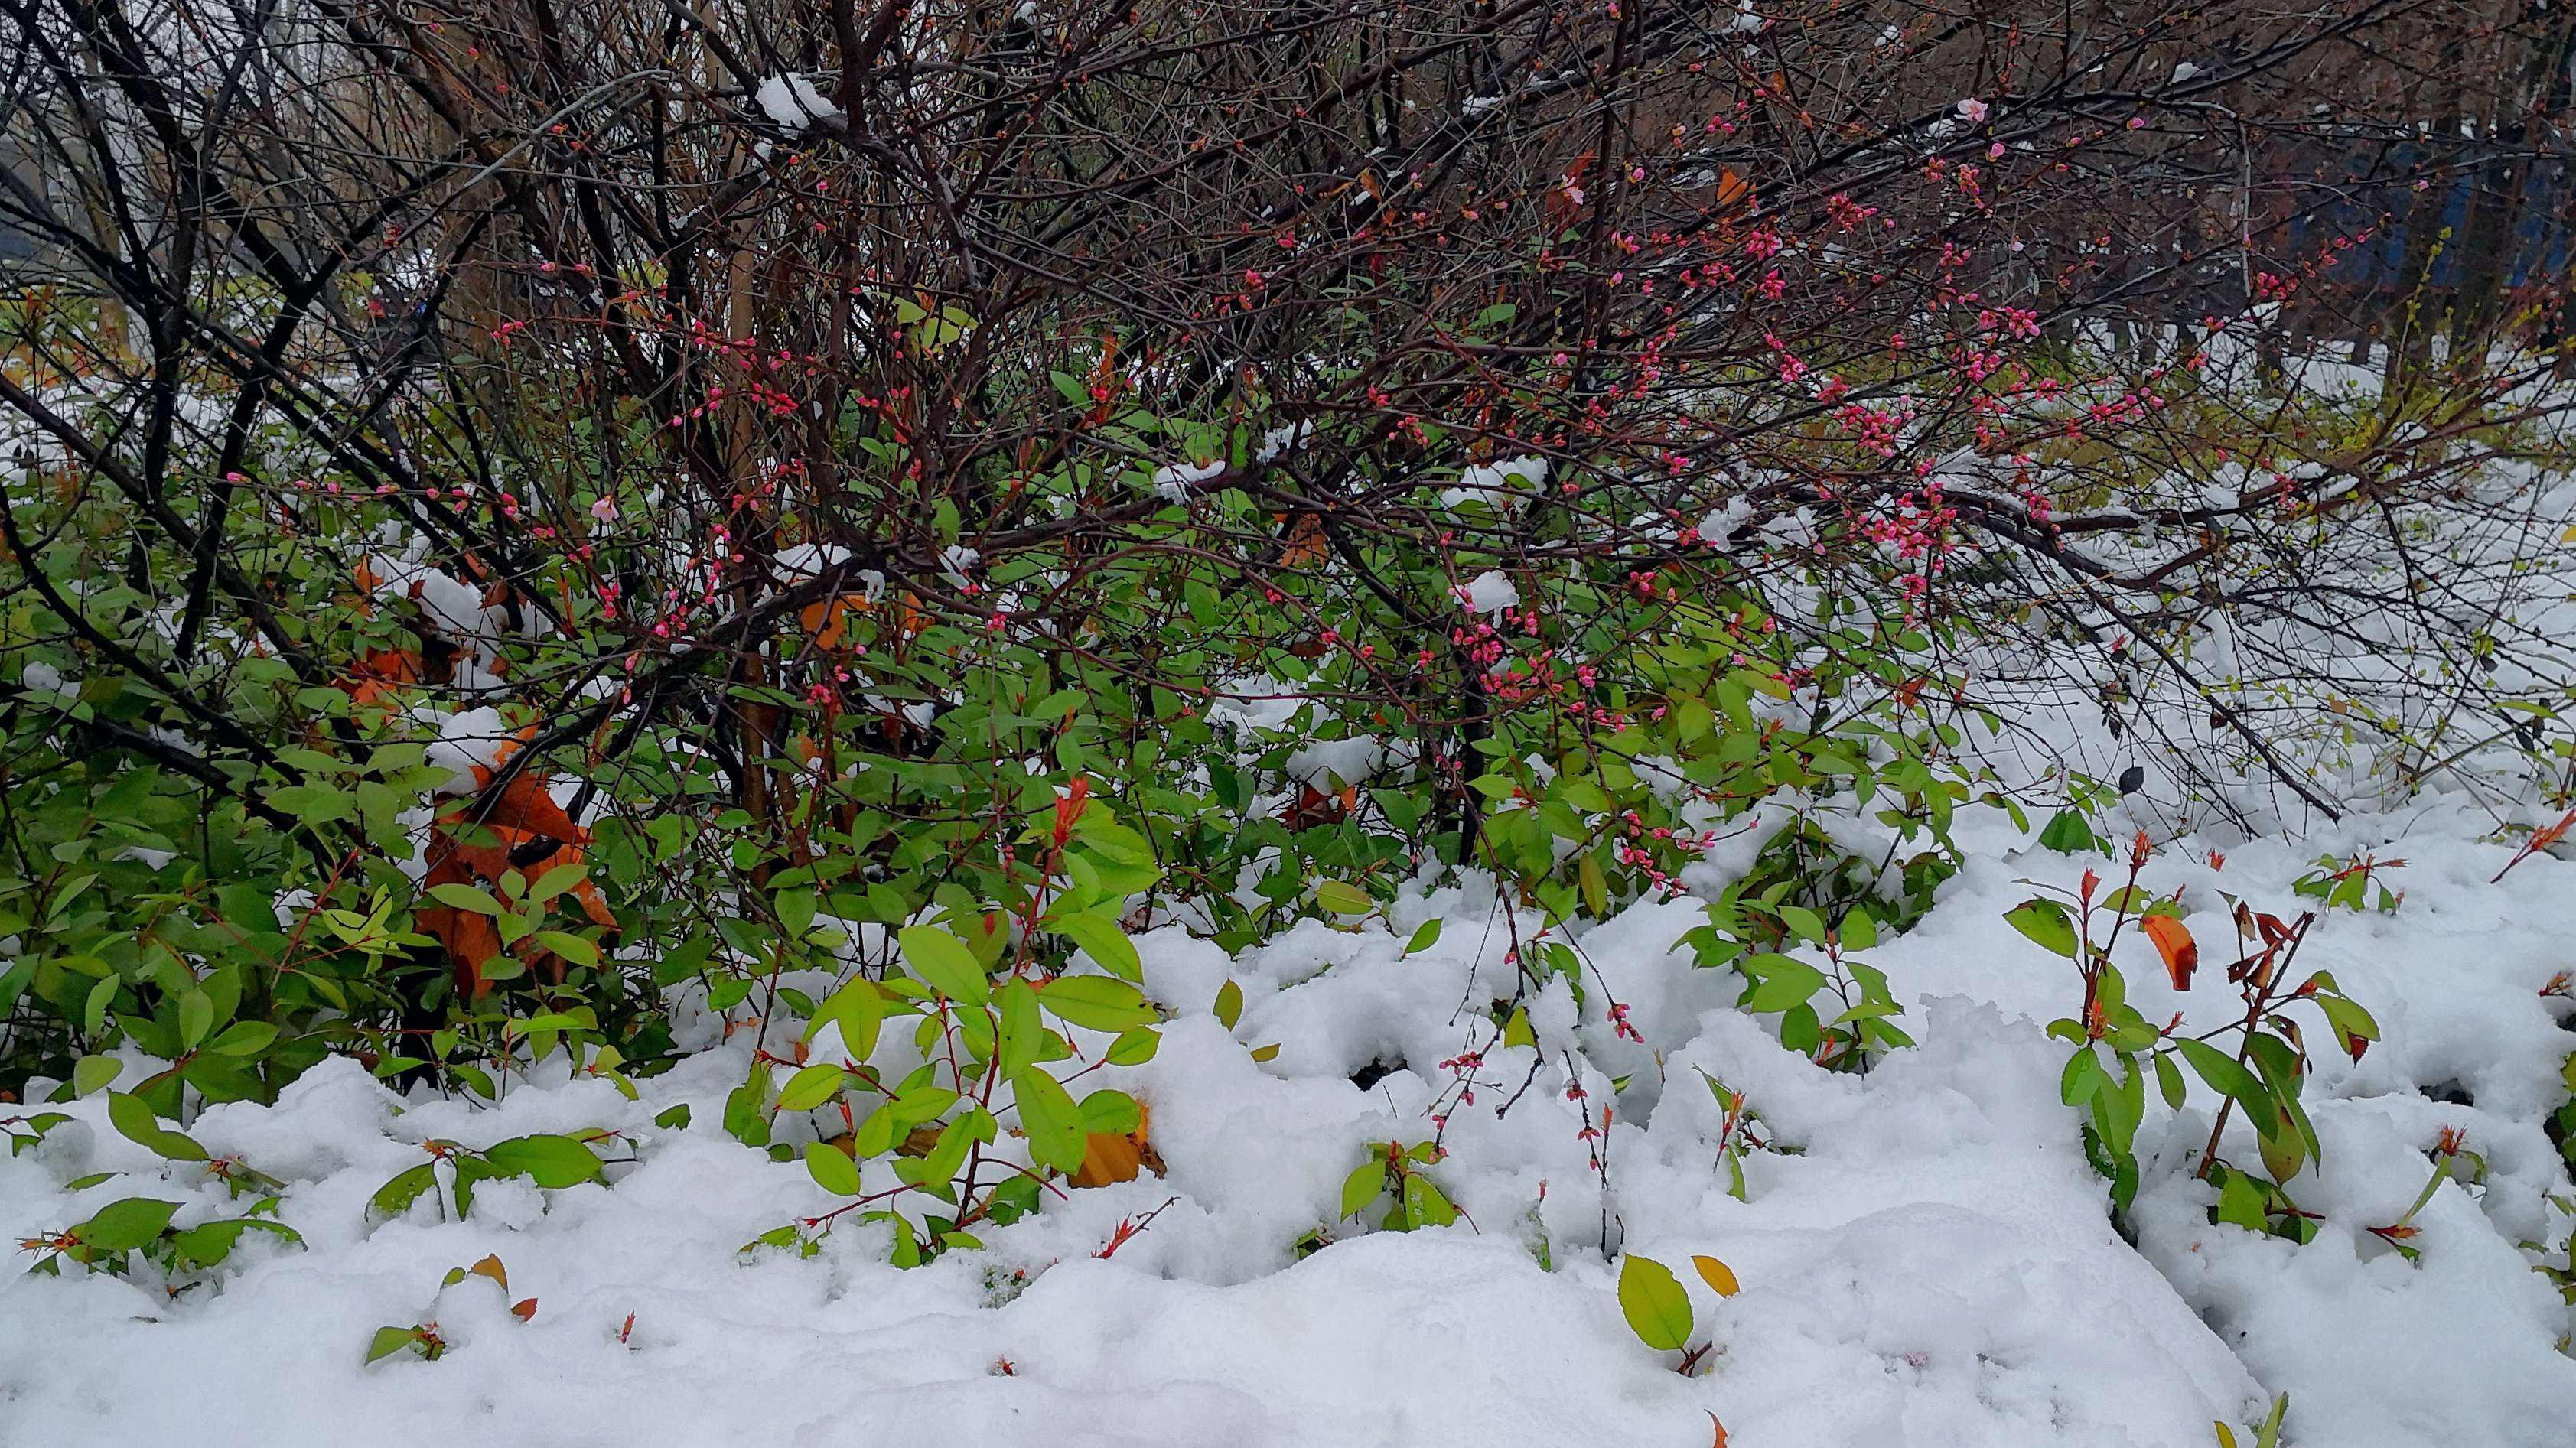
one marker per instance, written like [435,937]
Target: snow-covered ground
[1925,1256]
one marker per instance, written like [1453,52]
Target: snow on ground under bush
[1932,1263]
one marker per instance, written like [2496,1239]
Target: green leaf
[208,1243]
[1691,718]
[874,1135]
[94,1010]
[1652,1300]
[795,911]
[2046,922]
[1809,927]
[391,1340]
[1786,985]
[571,947]
[1110,1113]
[2283,1152]
[1594,884]
[1022,1035]
[2067,832]
[2269,1435]
[1095,1002]
[2240,1201]
[1052,1121]
[810,1087]
[196,1018]
[944,963]
[1133,1048]
[550,1161]
[405,1188]
[832,1169]
[2169,1080]
[136,1122]
[1425,1205]
[1343,898]
[1104,942]
[1859,931]
[919,1101]
[2352,1025]
[243,1038]
[860,1007]
[1229,1004]
[554,882]
[1424,937]
[2226,1075]
[465,897]
[2082,1077]
[1363,1185]
[126,1225]
[90,1073]
[314,804]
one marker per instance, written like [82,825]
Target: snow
[1719,526]
[1489,592]
[793,103]
[39,677]
[1329,764]
[1926,1259]
[1282,440]
[805,561]
[1498,484]
[1173,482]
[469,740]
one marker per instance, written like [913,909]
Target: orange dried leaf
[2174,943]
[1118,1156]
[1304,545]
[1109,1157]
[1717,1275]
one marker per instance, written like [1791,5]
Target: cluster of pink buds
[1619,1025]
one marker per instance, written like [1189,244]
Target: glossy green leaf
[1652,1300]
[944,963]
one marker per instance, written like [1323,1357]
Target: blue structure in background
[2530,196]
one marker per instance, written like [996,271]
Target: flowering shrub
[613,545]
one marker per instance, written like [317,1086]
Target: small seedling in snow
[2265,1073]
[1393,1174]
[2347,885]
[1659,1311]
[2267,1435]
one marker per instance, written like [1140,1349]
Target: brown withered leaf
[480,839]
[1303,547]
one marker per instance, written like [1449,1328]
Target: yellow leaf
[1717,1275]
